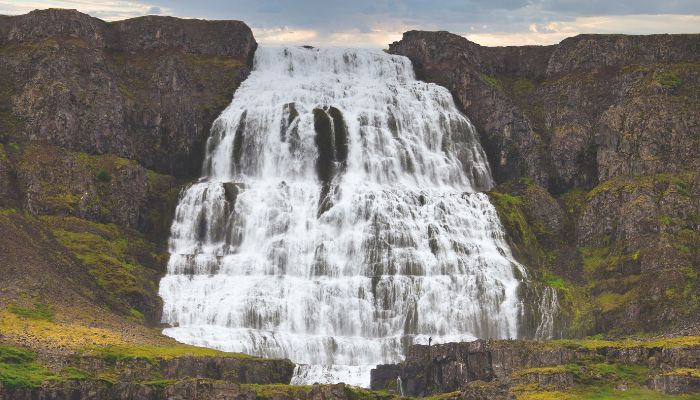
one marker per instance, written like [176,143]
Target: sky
[376,23]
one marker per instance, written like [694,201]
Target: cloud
[109,10]
[556,31]
[375,23]
[284,35]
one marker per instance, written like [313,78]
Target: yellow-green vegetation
[592,343]
[492,80]
[49,335]
[152,354]
[541,371]
[60,178]
[693,372]
[547,395]
[680,182]
[209,61]
[595,380]
[443,396]
[603,393]
[510,212]
[668,80]
[7,211]
[599,281]
[40,311]
[19,368]
[272,391]
[114,256]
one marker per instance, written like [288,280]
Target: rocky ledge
[505,368]
[135,372]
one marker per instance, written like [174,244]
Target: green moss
[123,263]
[593,344]
[668,80]
[4,212]
[75,373]
[606,392]
[443,396]
[19,368]
[592,373]
[523,87]
[692,372]
[493,81]
[160,383]
[278,390]
[103,176]
[153,354]
[40,311]
[541,371]
[512,216]
[594,258]
[553,281]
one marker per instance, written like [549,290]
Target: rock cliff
[593,144]
[574,114]
[145,89]
[101,125]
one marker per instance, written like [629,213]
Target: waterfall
[339,220]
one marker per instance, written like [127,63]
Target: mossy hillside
[122,261]
[19,369]
[153,354]
[602,393]
[40,311]
[610,279]
[594,380]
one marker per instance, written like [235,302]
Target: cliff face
[146,89]
[577,113]
[101,125]
[593,144]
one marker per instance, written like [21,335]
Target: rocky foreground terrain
[592,143]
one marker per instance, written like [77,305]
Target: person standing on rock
[430,339]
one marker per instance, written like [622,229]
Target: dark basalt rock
[290,114]
[482,366]
[572,114]
[238,138]
[332,144]
[146,89]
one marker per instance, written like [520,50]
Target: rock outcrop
[493,367]
[147,89]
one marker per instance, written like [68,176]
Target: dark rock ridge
[553,365]
[147,88]
[574,114]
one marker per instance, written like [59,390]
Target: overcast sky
[375,23]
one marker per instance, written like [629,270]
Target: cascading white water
[339,222]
